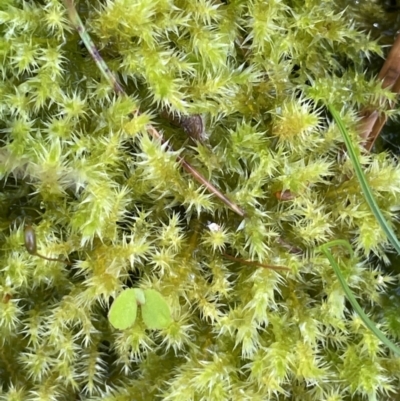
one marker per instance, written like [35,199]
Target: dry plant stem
[77,22]
[251,263]
[65,261]
[390,71]
[373,122]
[198,177]
[294,250]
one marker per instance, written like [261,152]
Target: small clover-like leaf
[122,314]
[155,312]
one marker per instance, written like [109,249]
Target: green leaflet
[122,314]
[155,312]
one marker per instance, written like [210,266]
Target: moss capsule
[30,240]
[31,246]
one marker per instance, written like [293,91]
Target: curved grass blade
[367,321]
[363,182]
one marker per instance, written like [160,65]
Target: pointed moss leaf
[122,314]
[140,298]
[155,312]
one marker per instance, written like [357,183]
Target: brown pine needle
[101,64]
[252,263]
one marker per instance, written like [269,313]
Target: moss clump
[76,158]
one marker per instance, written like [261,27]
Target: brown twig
[77,22]
[289,247]
[198,177]
[252,263]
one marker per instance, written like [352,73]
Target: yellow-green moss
[77,162]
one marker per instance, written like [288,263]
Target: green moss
[99,191]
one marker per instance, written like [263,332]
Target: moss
[77,163]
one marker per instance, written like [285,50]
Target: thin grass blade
[349,294]
[363,182]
